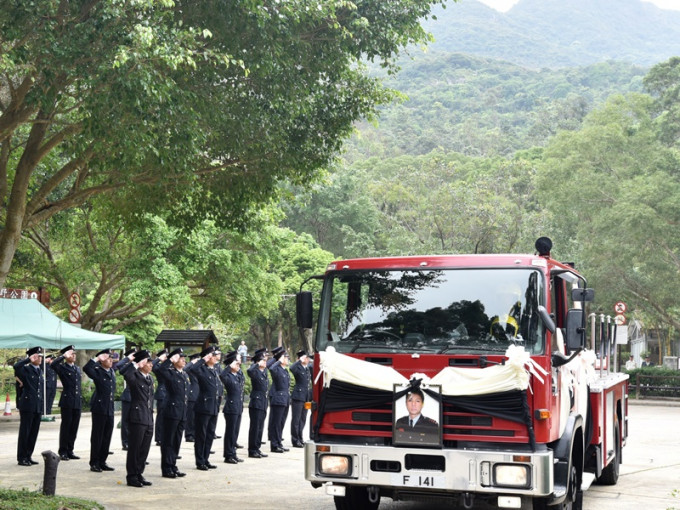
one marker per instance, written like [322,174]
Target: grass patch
[28,500]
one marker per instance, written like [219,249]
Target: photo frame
[417,423]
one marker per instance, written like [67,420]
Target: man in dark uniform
[207,406]
[30,404]
[50,384]
[136,368]
[234,381]
[159,396]
[415,426]
[100,371]
[302,392]
[279,398]
[257,407]
[70,402]
[125,400]
[171,373]
[191,401]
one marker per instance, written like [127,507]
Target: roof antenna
[543,246]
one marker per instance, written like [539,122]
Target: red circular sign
[74,300]
[74,315]
[620,307]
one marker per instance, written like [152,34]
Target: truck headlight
[511,475]
[335,465]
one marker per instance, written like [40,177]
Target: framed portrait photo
[417,416]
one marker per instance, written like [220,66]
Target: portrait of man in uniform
[417,417]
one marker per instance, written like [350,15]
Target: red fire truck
[462,379]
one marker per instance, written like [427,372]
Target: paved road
[649,475]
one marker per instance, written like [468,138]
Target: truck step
[587,480]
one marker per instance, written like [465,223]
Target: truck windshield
[469,311]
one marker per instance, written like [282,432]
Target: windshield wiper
[469,348]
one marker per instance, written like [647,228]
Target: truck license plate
[419,480]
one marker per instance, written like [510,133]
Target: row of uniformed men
[179,381]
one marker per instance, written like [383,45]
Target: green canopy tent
[26,323]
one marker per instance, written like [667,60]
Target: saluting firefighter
[160,395]
[257,407]
[176,381]
[191,400]
[279,398]
[136,369]
[101,404]
[70,402]
[234,381]
[30,403]
[125,400]
[302,392]
[206,407]
[50,384]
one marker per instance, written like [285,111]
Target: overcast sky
[504,5]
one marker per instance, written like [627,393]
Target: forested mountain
[555,33]
[479,106]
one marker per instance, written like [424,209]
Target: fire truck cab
[461,378]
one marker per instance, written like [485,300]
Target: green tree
[197,107]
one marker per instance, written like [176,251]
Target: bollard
[50,476]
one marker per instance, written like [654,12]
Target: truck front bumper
[418,470]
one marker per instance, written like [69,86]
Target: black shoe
[106,467]
[277,449]
[218,437]
[238,459]
[96,469]
[64,457]
[298,445]
[179,457]
[212,452]
[189,439]
[239,446]
[24,462]
[144,480]
[135,483]
[33,463]
[110,453]
[284,448]
[158,443]
[263,454]
[211,466]
[169,475]
[202,467]
[124,448]
[179,474]
[73,457]
[231,460]
[255,455]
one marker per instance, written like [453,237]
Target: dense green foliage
[28,500]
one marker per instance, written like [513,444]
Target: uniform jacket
[302,391]
[260,384]
[209,388]
[161,392]
[32,396]
[279,393]
[125,395]
[50,378]
[177,386]
[71,382]
[141,393]
[233,385]
[105,388]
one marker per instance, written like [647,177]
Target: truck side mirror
[576,333]
[582,294]
[303,309]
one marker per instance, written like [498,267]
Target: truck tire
[356,498]
[610,474]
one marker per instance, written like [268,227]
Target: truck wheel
[356,498]
[610,474]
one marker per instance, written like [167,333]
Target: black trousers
[49,399]
[124,425]
[277,420]
[100,439]
[231,429]
[257,417]
[204,435]
[297,421]
[139,443]
[172,439]
[160,405]
[29,426]
[68,430]
[189,425]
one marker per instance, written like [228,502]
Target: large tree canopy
[201,107]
